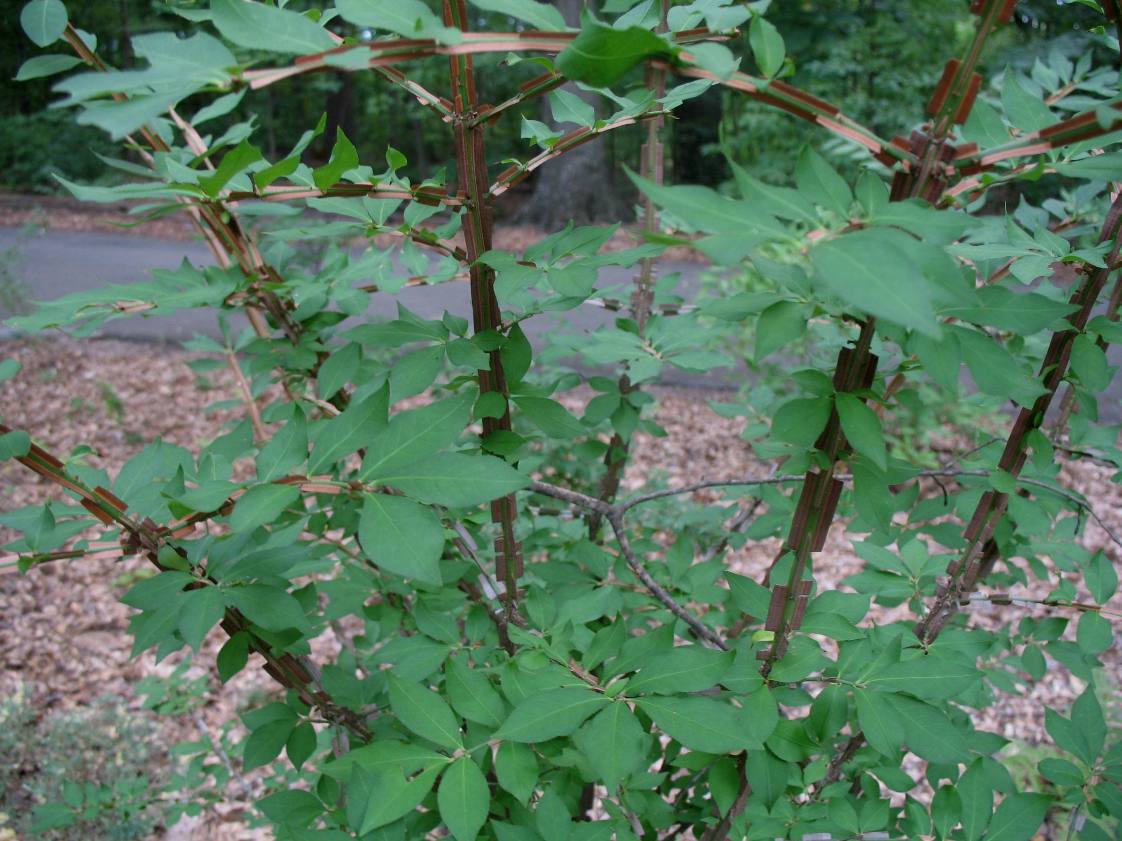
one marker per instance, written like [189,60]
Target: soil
[63,632]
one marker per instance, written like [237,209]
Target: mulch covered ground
[62,630]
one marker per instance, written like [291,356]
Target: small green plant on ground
[79,774]
[522,650]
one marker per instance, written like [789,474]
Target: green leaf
[262,504]
[1018,817]
[1094,634]
[767,46]
[1100,577]
[408,18]
[344,157]
[159,591]
[931,677]
[455,479]
[1024,110]
[424,712]
[820,182]
[759,714]
[748,596]
[995,370]
[382,755]
[271,608]
[1021,312]
[782,201]
[550,417]
[233,162]
[1061,772]
[464,799]
[301,744]
[803,658]
[930,733]
[781,323]
[601,54]
[714,58]
[291,806]
[202,609]
[45,65]
[1087,715]
[287,449]
[1088,362]
[699,723]
[415,435]
[472,695]
[614,743]
[945,810]
[233,656]
[767,775]
[338,370]
[882,725]
[689,668]
[868,271]
[267,28]
[108,195]
[547,715]
[707,210]
[14,444]
[48,816]
[977,800]
[401,536]
[271,726]
[379,799]
[516,768]
[538,15]
[9,368]
[862,428]
[43,21]
[1097,168]
[1068,736]
[351,430]
[801,421]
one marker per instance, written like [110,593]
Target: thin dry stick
[247,396]
[615,519]
[295,672]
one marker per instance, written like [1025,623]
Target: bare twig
[615,519]
[247,396]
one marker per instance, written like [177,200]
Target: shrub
[29,163]
[524,651]
[94,762]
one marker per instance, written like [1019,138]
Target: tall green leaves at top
[44,21]
[601,54]
[263,27]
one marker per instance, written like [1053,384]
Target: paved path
[48,265]
[57,263]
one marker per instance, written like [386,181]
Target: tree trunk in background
[578,186]
[127,57]
[341,110]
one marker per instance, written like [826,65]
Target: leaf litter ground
[63,633]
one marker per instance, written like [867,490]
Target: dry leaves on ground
[63,632]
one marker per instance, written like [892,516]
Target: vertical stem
[818,498]
[651,167]
[473,182]
[247,396]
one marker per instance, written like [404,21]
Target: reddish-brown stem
[472,178]
[293,672]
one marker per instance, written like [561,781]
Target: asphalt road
[54,263]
